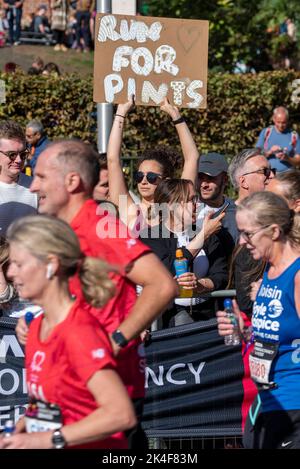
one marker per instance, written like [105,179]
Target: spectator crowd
[93,256]
[59,22]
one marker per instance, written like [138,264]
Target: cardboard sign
[150,58]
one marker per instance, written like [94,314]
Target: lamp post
[104,110]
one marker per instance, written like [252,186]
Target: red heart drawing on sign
[188,37]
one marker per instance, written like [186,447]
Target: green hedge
[238,107]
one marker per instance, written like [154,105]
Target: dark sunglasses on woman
[151,177]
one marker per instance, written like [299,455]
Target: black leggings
[274,430]
[58,36]
[136,436]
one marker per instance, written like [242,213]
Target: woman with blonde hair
[271,231]
[76,397]
[287,185]
[10,304]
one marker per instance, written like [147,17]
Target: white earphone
[49,272]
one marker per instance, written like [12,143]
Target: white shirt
[16,201]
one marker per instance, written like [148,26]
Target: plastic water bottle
[234,338]
[181,266]
[9,428]
[29,316]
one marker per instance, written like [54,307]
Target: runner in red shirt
[119,252]
[76,397]
[65,176]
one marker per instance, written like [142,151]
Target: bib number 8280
[258,370]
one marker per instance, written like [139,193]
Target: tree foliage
[63,103]
[239,106]
[238,28]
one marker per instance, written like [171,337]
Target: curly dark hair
[167,157]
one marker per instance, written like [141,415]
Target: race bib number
[42,417]
[260,370]
[260,361]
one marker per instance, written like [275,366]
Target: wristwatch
[58,440]
[119,339]
[179,120]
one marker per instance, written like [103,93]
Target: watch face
[58,440]
[119,339]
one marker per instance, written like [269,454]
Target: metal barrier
[32,37]
[188,444]
[157,324]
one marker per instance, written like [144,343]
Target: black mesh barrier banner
[13,391]
[193,383]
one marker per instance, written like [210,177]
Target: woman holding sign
[154,166]
[76,398]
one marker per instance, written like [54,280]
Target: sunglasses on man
[267,172]
[12,155]
[151,177]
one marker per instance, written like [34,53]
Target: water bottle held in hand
[234,338]
[29,316]
[181,266]
[9,428]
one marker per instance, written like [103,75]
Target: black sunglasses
[12,155]
[150,176]
[265,171]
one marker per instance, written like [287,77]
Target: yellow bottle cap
[179,253]
[28,171]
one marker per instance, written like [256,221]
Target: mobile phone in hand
[216,214]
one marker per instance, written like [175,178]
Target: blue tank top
[275,320]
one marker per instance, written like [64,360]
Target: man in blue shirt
[280,144]
[36,141]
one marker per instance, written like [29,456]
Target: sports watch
[119,339]
[58,440]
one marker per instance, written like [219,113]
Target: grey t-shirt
[16,201]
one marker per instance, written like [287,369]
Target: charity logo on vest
[269,292]
[275,309]
[265,312]
[263,320]
[37,361]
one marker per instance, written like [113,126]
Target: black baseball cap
[212,164]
